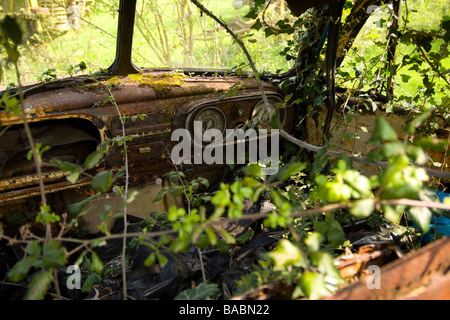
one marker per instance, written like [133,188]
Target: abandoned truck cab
[76,116]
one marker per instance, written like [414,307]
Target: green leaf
[203,181]
[422,217]
[53,256]
[313,241]
[331,230]
[417,122]
[374,156]
[359,183]
[383,132]
[392,149]
[227,237]
[253,170]
[257,25]
[102,181]
[200,239]
[12,30]
[164,239]
[291,169]
[94,158]
[176,191]
[75,208]
[12,52]
[72,169]
[38,286]
[392,213]
[221,198]
[433,144]
[203,291]
[321,161]
[91,280]
[275,122]
[151,259]
[325,264]
[178,245]
[161,194]
[244,238]
[174,178]
[286,254]
[417,154]
[362,208]
[73,177]
[162,259]
[21,268]
[314,285]
[174,213]
[34,248]
[96,263]
[211,236]
[251,182]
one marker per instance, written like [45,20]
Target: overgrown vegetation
[314,197]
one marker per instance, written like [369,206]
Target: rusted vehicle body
[72,116]
[421,275]
[65,119]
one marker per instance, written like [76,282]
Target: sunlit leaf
[362,208]
[422,217]
[314,285]
[96,263]
[286,254]
[325,264]
[383,132]
[291,169]
[313,241]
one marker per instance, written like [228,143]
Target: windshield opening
[175,34]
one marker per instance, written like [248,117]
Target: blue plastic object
[439,223]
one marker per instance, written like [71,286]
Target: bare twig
[125,195]
[201,264]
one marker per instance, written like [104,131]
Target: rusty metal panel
[165,99]
[422,274]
